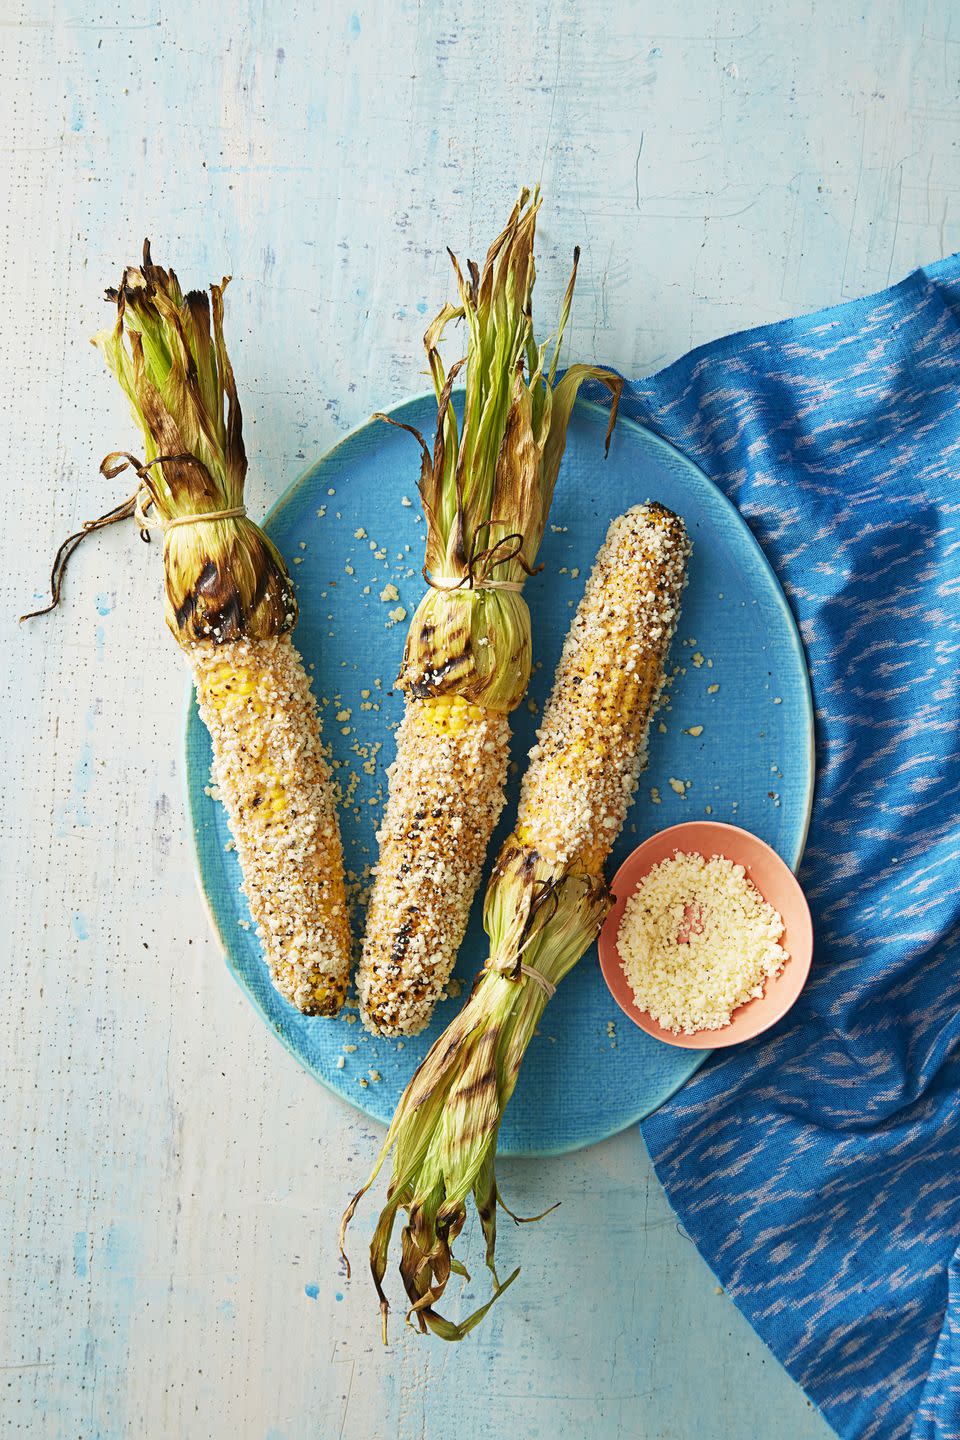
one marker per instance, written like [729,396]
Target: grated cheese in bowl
[697,940]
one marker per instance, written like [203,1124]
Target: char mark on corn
[446,794]
[592,744]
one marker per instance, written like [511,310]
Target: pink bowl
[779,887]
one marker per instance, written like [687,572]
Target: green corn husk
[224,579]
[444,1131]
[488,484]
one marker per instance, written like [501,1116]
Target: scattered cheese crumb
[694,730]
[340,1062]
[360,533]
[678,787]
[406,501]
[397,615]
[389,592]
[697,659]
[712,689]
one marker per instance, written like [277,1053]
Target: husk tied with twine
[488,483]
[224,579]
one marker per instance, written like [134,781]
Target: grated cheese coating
[592,745]
[696,941]
[273,778]
[446,794]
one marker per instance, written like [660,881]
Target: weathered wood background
[169,1180]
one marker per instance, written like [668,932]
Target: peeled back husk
[224,579]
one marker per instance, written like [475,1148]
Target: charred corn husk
[230,603]
[486,488]
[544,905]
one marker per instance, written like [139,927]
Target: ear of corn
[544,905]
[446,794]
[486,489]
[230,603]
[273,778]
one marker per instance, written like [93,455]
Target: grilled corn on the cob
[544,905]
[446,794]
[486,490]
[592,743]
[230,603]
[274,780]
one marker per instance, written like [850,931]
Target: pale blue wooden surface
[169,1180]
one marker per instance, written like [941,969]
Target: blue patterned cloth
[818,1168]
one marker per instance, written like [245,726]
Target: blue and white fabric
[818,1168]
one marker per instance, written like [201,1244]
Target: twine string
[135,506]
[538,978]
[447,584]
[144,500]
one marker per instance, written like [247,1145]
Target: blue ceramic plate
[353,523]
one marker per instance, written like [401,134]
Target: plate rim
[191,794]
